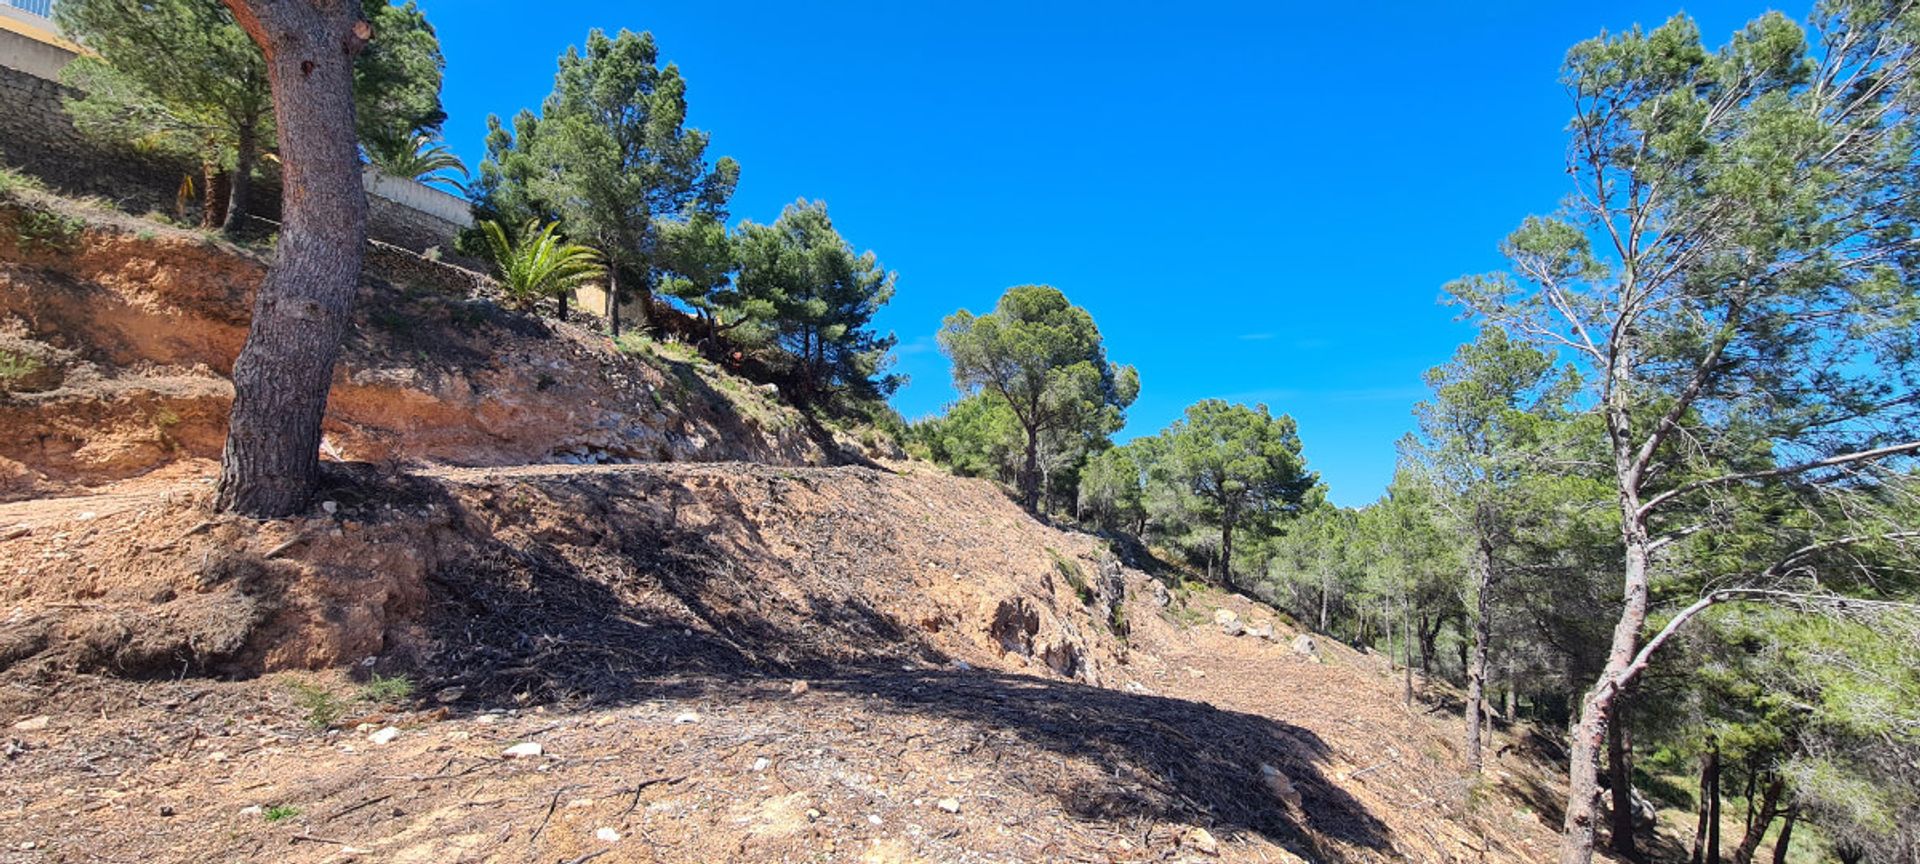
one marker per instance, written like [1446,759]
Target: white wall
[28,43]
[418,196]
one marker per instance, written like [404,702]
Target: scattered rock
[1263,631]
[761,764]
[607,835]
[1306,646]
[1161,596]
[33,724]
[1280,785]
[951,805]
[1202,841]
[449,695]
[331,507]
[252,810]
[686,717]
[384,736]
[166,810]
[523,750]
[1224,617]
[798,688]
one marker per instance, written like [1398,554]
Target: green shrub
[1070,571]
[48,231]
[15,367]
[384,689]
[321,706]
[279,812]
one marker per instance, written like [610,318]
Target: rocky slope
[116,335]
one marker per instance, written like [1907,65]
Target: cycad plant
[540,263]
[421,157]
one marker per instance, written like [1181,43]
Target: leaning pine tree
[1735,272]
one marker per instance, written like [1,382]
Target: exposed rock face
[132,328]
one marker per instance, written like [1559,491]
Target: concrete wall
[411,215]
[29,44]
[413,194]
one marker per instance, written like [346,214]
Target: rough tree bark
[282,375]
[246,153]
[1709,806]
[613,300]
[1786,837]
[1620,785]
[1759,822]
[1477,665]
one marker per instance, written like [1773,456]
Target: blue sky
[1258,202]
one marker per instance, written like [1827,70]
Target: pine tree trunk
[1326,587]
[613,301]
[1759,821]
[246,153]
[1512,695]
[1709,789]
[1030,472]
[284,370]
[1596,708]
[1620,784]
[1786,837]
[213,197]
[1713,822]
[1226,548]
[1406,647]
[1477,665]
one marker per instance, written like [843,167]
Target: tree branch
[1728,479]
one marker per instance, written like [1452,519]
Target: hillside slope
[117,334]
[645,625]
[764,659]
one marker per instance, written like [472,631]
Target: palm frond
[421,157]
[539,263]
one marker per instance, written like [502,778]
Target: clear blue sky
[1257,201]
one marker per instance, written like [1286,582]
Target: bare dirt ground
[718,662]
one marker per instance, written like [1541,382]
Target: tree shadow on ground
[621,605]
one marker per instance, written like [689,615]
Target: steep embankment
[116,336]
[979,686]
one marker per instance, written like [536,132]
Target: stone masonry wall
[38,138]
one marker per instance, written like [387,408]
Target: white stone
[607,835]
[951,805]
[384,736]
[523,750]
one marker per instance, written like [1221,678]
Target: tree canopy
[610,155]
[181,76]
[1043,359]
